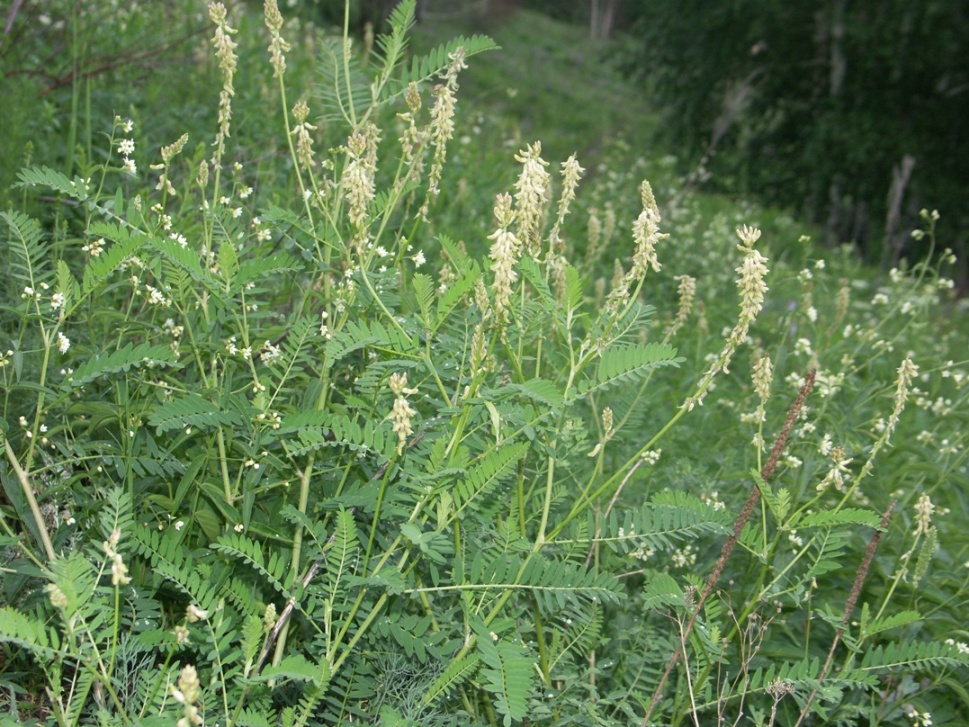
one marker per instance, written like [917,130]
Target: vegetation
[836,108]
[339,403]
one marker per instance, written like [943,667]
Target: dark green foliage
[813,105]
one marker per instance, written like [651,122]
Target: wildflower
[923,514]
[907,372]
[687,293]
[225,52]
[63,342]
[119,572]
[479,352]
[402,412]
[358,177]
[419,259]
[277,46]
[270,352]
[156,297]
[645,234]
[791,461]
[762,376]
[304,141]
[960,646]
[504,255]
[126,147]
[608,429]
[187,694]
[58,599]
[531,192]
[94,248]
[752,288]
[169,152]
[57,301]
[571,173]
[684,557]
[442,122]
[194,614]
[836,475]
[129,166]
[826,445]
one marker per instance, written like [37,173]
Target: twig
[284,617]
[738,527]
[860,576]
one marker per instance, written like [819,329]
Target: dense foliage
[818,105]
[332,406]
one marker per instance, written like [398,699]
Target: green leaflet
[23,631]
[456,674]
[124,359]
[507,672]
[342,552]
[190,410]
[275,569]
[627,364]
[31,259]
[46,177]
[360,334]
[423,69]
[484,476]
[297,668]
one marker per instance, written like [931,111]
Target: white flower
[94,248]
[57,301]
[923,514]
[126,147]
[63,342]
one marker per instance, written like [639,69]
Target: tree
[853,112]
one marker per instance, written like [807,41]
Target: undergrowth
[293,446]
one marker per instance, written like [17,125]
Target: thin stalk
[860,576]
[731,541]
[31,500]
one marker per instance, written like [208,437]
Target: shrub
[310,458]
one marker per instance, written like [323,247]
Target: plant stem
[31,500]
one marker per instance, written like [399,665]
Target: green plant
[329,486]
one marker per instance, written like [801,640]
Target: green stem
[31,500]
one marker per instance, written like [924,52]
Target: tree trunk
[602,17]
[894,238]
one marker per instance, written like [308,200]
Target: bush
[283,448]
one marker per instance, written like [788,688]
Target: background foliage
[813,105]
